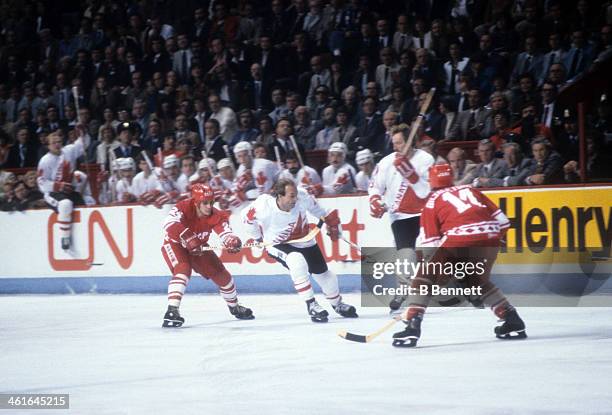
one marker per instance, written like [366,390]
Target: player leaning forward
[282,217]
[400,186]
[187,228]
[461,225]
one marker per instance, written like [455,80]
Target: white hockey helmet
[243,146]
[126,163]
[170,161]
[364,156]
[338,147]
[224,163]
[208,164]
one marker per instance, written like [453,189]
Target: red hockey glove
[232,243]
[253,241]
[63,187]
[377,207]
[244,180]
[128,198]
[315,189]
[191,242]
[404,167]
[332,221]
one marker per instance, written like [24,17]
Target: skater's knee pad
[298,267]
[64,209]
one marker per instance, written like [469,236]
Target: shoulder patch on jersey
[251,214]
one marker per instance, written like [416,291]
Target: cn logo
[85,264]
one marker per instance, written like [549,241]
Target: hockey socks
[328,281]
[228,292]
[176,289]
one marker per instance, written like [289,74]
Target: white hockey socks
[328,281]
[298,269]
[228,292]
[64,217]
[176,289]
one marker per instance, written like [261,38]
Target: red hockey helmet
[202,193]
[440,175]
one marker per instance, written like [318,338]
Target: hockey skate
[396,303]
[513,327]
[345,310]
[172,318]
[410,335]
[317,313]
[66,242]
[241,312]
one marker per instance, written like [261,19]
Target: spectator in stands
[325,136]
[550,112]
[127,147]
[24,153]
[463,169]
[225,116]
[529,127]
[516,170]
[319,104]
[556,54]
[387,73]
[34,195]
[453,67]
[489,166]
[106,144]
[557,74]
[304,130]
[370,131]
[245,131]
[181,129]
[470,124]
[16,198]
[266,132]
[213,140]
[528,62]
[283,141]
[279,101]
[548,167]
[598,163]
[580,56]
[448,109]
[260,151]
[345,131]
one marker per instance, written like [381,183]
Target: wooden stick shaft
[417,123]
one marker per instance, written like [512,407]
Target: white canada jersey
[81,185]
[362,181]
[183,182]
[143,184]
[59,168]
[338,180]
[306,176]
[125,186]
[265,173]
[264,219]
[167,184]
[402,198]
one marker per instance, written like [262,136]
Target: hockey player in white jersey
[126,192]
[305,177]
[400,186]
[254,176]
[146,183]
[207,169]
[168,182]
[81,185]
[365,162]
[56,179]
[187,167]
[282,217]
[339,176]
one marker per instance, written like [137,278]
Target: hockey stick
[352,244]
[361,338]
[417,123]
[279,163]
[309,236]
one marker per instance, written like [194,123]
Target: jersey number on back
[465,200]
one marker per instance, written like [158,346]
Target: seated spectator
[213,140]
[127,147]
[24,153]
[548,167]
[598,163]
[370,130]
[35,195]
[321,101]
[501,122]
[304,129]
[516,170]
[282,140]
[260,151]
[471,123]
[529,127]
[489,166]
[224,115]
[16,198]
[266,132]
[463,169]
[325,136]
[448,109]
[245,131]
[345,131]
[7,182]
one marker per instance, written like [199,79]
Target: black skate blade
[359,338]
[250,317]
[172,323]
[513,335]
[319,319]
[409,342]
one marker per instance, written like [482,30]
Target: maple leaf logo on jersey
[261,178]
[300,228]
[250,216]
[306,178]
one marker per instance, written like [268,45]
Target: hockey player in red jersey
[187,229]
[462,225]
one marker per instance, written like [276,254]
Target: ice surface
[110,354]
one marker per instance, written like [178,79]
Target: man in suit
[402,39]
[283,141]
[24,153]
[555,55]
[470,123]
[463,169]
[516,170]
[158,60]
[370,131]
[530,61]
[580,56]
[364,74]
[550,111]
[181,60]
[489,166]
[386,73]
[256,90]
[213,141]
[548,166]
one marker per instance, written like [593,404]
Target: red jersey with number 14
[461,216]
[184,215]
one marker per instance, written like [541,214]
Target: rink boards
[117,249]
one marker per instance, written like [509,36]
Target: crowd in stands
[167,89]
